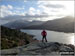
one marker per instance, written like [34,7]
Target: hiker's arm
[46,33]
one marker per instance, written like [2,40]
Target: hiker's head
[43,30]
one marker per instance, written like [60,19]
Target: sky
[35,9]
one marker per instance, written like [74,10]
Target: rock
[39,48]
[65,48]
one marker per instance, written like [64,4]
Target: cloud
[7,19]
[38,12]
[10,7]
[20,8]
[44,10]
[57,7]
[54,5]
[51,4]
[31,11]
[6,10]
[25,1]
[26,17]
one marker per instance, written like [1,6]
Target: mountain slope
[35,22]
[12,38]
[19,24]
[16,24]
[65,24]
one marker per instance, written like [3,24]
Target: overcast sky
[35,9]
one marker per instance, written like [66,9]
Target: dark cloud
[26,17]
[54,5]
[18,17]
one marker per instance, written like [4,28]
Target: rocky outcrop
[39,48]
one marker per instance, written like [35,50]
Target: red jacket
[43,33]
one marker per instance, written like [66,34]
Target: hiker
[44,33]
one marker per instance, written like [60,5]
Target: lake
[52,36]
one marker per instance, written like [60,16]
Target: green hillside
[12,38]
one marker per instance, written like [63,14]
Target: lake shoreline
[64,37]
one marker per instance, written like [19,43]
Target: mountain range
[64,24]
[18,24]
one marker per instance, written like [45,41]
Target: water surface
[53,36]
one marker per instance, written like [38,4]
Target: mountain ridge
[65,24]
[18,24]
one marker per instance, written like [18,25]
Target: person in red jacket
[44,34]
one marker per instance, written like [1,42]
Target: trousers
[44,38]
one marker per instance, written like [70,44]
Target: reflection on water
[53,36]
[72,40]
